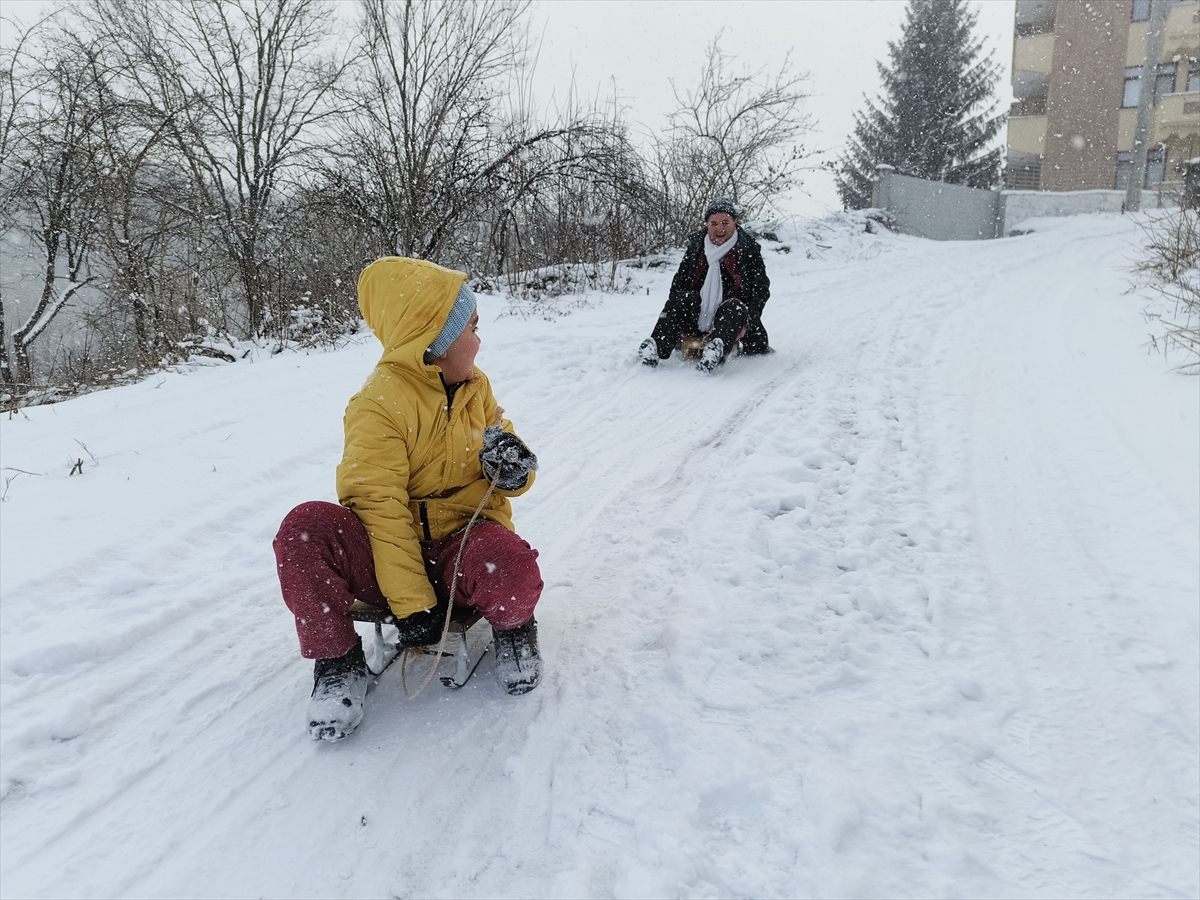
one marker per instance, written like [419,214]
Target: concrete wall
[936,210]
[951,212]
[1022,205]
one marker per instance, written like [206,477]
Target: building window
[1164,80]
[1141,9]
[1156,165]
[1193,84]
[1133,86]
[1124,165]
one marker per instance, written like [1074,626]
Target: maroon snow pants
[324,562]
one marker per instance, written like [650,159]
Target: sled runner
[467,640]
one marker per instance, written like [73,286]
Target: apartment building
[1078,72]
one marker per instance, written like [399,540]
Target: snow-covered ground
[908,608]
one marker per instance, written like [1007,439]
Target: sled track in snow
[731,425]
[789,651]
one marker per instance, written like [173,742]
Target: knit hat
[456,323]
[721,205]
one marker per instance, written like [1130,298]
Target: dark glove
[421,628]
[508,453]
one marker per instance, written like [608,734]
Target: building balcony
[1181,35]
[1028,106]
[1035,17]
[1178,113]
[1030,91]
[1023,172]
[1027,134]
[1034,53]
[1181,31]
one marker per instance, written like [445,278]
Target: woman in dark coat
[724,305]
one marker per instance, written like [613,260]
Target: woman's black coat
[743,275]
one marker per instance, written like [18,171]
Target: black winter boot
[648,352]
[339,692]
[713,356]
[518,659]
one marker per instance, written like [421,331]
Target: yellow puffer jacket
[410,463]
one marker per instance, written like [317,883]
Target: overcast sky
[638,46]
[642,45]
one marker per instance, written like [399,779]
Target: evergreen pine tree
[935,119]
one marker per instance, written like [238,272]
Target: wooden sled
[467,641]
[692,345]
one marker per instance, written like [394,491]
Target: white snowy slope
[908,608]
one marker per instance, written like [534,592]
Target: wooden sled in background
[692,345]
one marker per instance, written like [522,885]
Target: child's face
[457,363]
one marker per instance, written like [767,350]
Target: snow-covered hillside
[908,608]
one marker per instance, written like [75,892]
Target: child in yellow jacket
[425,440]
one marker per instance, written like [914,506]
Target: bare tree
[317,267]
[428,131]
[213,170]
[144,214]
[245,87]
[730,136]
[52,203]
[18,81]
[582,197]
[447,162]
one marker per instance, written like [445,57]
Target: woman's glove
[508,453]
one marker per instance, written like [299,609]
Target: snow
[907,608]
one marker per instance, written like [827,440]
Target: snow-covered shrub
[311,326]
[1172,267]
[552,291]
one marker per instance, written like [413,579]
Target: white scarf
[712,292]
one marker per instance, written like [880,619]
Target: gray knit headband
[456,323]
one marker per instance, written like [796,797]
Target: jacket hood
[406,302]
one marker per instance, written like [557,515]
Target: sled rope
[437,658]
